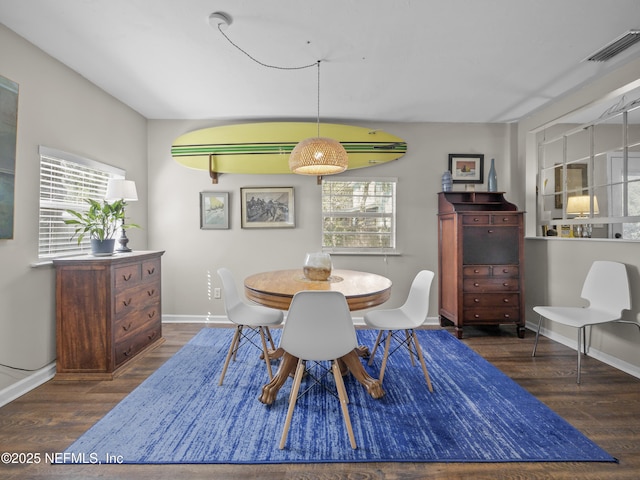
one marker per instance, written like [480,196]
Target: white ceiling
[382,60]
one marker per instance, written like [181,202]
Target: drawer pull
[128,352]
[476,316]
[506,315]
[126,278]
[152,314]
[489,231]
[476,300]
[505,284]
[476,284]
[505,219]
[505,300]
[152,335]
[127,327]
[476,219]
[151,270]
[505,270]
[476,271]
[151,292]
[126,303]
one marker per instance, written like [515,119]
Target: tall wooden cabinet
[481,260]
[108,311]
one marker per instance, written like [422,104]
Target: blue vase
[447,181]
[493,178]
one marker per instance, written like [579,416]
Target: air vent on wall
[619,45]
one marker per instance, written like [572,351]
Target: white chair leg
[292,402]
[343,402]
[421,358]
[535,345]
[579,353]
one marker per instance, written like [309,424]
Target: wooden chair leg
[235,353]
[292,402]
[385,356]
[408,338]
[421,357]
[232,350]
[268,331]
[265,352]
[343,402]
[375,347]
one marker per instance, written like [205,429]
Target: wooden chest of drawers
[481,260]
[108,311]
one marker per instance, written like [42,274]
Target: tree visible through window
[359,215]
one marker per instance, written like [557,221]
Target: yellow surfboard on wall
[264,148]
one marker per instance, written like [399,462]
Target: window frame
[66,181]
[391,216]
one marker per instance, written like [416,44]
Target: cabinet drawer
[151,270]
[128,348]
[476,219]
[490,300]
[490,284]
[505,271]
[501,219]
[476,271]
[137,321]
[488,315]
[137,298]
[127,276]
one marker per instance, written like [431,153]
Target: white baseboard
[27,384]
[610,360]
[222,320]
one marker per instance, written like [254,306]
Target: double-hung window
[359,215]
[66,181]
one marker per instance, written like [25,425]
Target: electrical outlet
[216,293]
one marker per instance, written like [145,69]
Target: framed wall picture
[267,207]
[466,167]
[214,210]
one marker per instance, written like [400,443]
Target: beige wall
[60,109]
[193,255]
[555,268]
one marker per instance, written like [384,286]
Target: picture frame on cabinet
[214,210]
[466,167]
[267,207]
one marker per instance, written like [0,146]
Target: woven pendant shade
[318,156]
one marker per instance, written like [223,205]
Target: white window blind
[66,181]
[359,215]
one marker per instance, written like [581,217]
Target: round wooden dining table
[276,289]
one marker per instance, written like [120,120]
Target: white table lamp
[121,189]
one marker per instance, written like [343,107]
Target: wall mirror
[589,170]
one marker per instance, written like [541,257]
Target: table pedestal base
[348,363]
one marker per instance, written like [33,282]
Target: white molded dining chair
[255,318]
[400,323]
[606,288]
[319,328]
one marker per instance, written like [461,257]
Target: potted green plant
[100,222]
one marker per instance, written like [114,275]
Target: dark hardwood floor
[606,408]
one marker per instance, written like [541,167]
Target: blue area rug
[475,414]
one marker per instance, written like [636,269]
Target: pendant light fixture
[318,155]
[312,156]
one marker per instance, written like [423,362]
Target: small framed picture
[267,207]
[466,167]
[214,210]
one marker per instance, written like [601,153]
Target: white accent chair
[606,288]
[319,328]
[400,324]
[254,318]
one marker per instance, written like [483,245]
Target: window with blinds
[66,181]
[359,215]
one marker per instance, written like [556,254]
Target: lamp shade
[318,156]
[579,204]
[121,189]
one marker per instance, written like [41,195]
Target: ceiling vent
[619,45]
